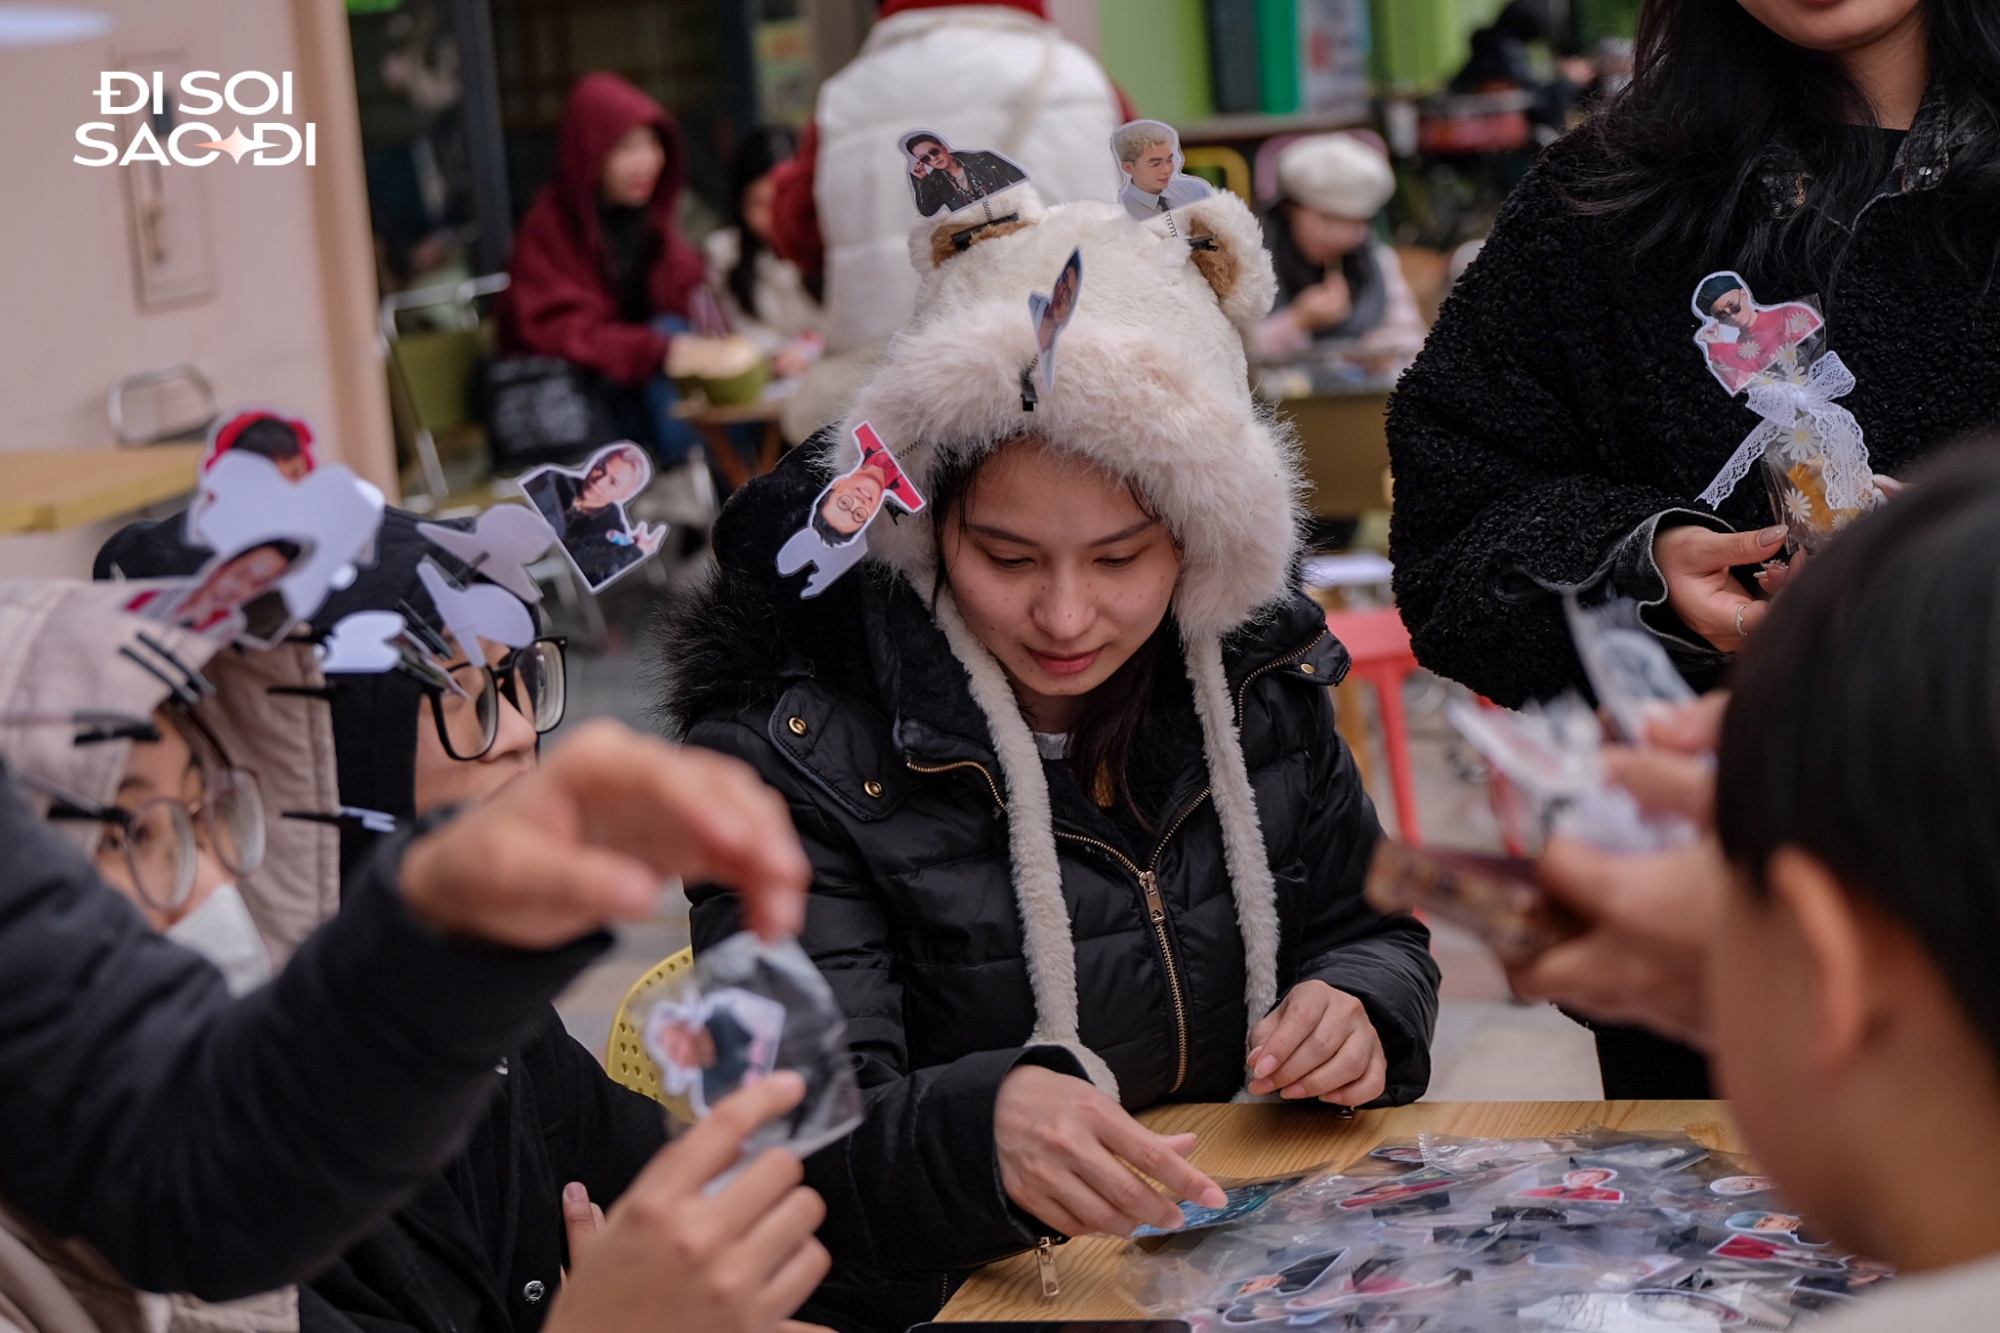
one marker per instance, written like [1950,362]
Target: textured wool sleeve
[917,1187]
[1505,490]
[224,1148]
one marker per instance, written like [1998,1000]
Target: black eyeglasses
[465,699]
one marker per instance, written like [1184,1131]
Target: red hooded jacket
[560,301]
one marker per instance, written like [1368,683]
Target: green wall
[1157,51]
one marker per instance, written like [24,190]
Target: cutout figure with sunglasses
[944,179]
[1742,339]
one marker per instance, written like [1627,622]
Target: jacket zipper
[1243,694]
[991,785]
[1156,911]
[1045,1261]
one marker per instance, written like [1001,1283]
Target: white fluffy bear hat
[1153,388]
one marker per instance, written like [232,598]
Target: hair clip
[962,240]
[1202,243]
[1028,395]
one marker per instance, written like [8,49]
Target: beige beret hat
[1336,173]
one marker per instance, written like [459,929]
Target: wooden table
[1345,442]
[714,423]
[48,490]
[1264,1140]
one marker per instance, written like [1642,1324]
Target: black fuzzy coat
[1561,401]
[852,706]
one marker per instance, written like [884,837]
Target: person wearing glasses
[220,1148]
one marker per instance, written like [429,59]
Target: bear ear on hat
[1226,244]
[936,241]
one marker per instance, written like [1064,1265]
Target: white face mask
[221,931]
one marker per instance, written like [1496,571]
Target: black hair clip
[321,692]
[961,241]
[1202,243]
[189,690]
[348,816]
[1028,395]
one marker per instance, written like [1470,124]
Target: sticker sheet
[835,536]
[585,509]
[1811,450]
[944,179]
[1592,1230]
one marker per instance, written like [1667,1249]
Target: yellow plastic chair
[1234,170]
[626,1060]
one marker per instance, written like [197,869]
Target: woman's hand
[1319,1043]
[1700,588]
[736,1261]
[1063,1149]
[1322,305]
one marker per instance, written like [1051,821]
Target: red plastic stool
[1380,647]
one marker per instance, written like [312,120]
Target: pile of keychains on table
[1594,1230]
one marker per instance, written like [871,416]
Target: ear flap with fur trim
[1227,245]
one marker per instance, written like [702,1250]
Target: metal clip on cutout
[961,241]
[1028,395]
[1202,243]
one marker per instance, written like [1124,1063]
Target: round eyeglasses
[467,710]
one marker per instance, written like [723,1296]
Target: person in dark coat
[601,275]
[1562,420]
[1069,862]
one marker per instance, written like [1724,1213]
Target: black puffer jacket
[1561,402]
[852,706]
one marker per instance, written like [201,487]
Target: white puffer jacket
[984,76]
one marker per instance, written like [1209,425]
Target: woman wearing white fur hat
[1335,280]
[1062,752]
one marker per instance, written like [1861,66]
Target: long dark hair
[1864,723]
[1687,147]
[758,152]
[1108,730]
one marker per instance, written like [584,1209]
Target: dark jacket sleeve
[598,1131]
[924,1157]
[227,1148]
[1383,961]
[1502,488]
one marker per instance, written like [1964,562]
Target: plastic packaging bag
[748,1010]
[1629,672]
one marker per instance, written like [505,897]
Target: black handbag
[542,409]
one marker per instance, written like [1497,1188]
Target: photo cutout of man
[1149,160]
[587,511]
[1051,314]
[285,441]
[833,539]
[235,595]
[945,179]
[1741,339]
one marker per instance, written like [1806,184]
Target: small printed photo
[286,441]
[1741,339]
[233,598]
[1398,1189]
[1148,153]
[708,1046]
[586,508]
[944,179]
[1759,1250]
[1051,314]
[1242,1201]
[1788,1225]
[835,536]
[1733,1186]
[1585,1185]
[1408,1154]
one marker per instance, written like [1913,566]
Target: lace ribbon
[1848,478]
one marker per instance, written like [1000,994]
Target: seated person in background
[1335,280]
[601,275]
[1500,62]
[765,297]
[286,442]
[1833,947]
[483,1242]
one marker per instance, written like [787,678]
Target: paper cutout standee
[707,1046]
[1815,460]
[586,510]
[1051,314]
[944,179]
[835,536]
[1151,182]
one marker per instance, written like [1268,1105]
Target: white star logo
[235,145]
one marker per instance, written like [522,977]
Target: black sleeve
[598,1131]
[1501,486]
[917,1187]
[224,1148]
[1383,961]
